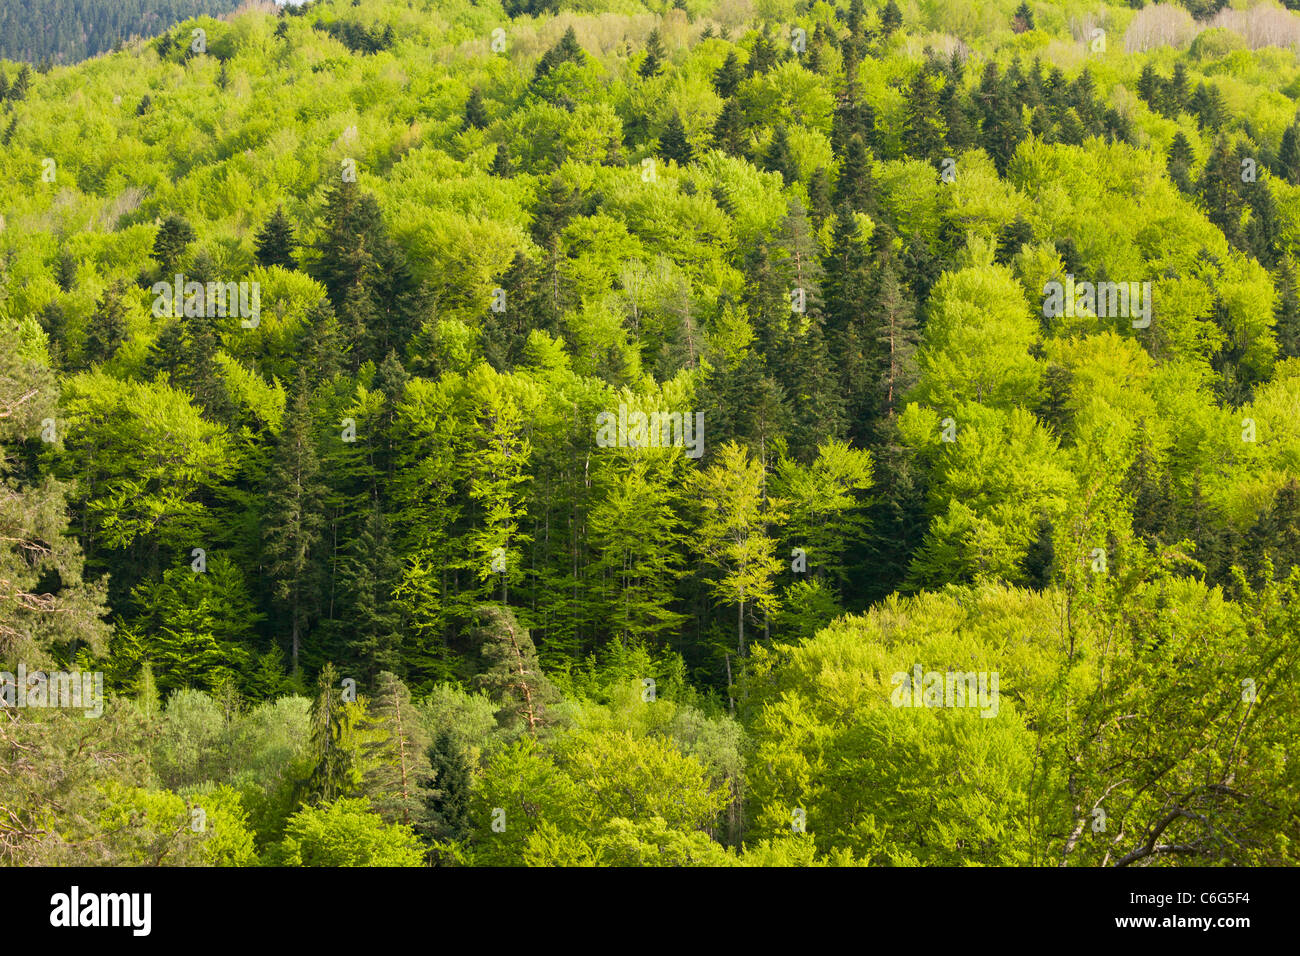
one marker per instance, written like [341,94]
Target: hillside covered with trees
[603,433]
[66,31]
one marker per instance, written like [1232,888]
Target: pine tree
[276,242]
[514,676]
[398,752]
[673,144]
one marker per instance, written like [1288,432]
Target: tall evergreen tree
[514,676]
[445,814]
[1219,192]
[293,518]
[107,327]
[275,243]
[923,132]
[174,236]
[397,752]
[728,76]
[779,158]
[333,772]
[729,129]
[1288,155]
[673,144]
[653,63]
[475,113]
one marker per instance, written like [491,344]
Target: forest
[66,31]
[643,433]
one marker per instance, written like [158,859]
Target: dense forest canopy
[65,31]
[622,433]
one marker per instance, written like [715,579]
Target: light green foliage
[346,833]
[654,655]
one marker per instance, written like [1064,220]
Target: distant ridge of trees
[66,31]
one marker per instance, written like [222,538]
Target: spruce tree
[275,243]
[174,236]
[728,76]
[66,272]
[1218,189]
[923,132]
[475,114]
[1001,127]
[22,83]
[1287,310]
[673,144]
[1288,155]
[854,186]
[729,130]
[1022,20]
[779,158]
[333,769]
[891,18]
[322,350]
[501,162]
[1179,162]
[107,327]
[762,57]
[896,337]
[653,63]
[1149,87]
[293,520]
[445,813]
